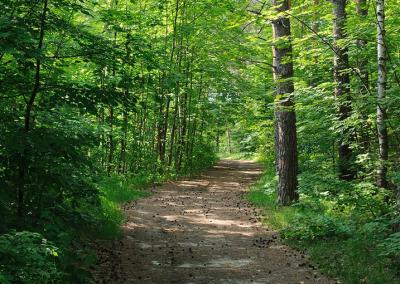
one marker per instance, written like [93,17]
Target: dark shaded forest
[101,100]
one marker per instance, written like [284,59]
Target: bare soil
[202,230]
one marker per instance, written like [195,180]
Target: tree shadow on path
[202,230]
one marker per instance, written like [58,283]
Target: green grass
[263,195]
[339,246]
[353,261]
[117,190]
[235,156]
[274,216]
[120,189]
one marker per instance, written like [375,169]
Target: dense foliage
[90,89]
[350,228]
[101,97]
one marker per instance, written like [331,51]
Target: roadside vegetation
[345,227]
[101,99]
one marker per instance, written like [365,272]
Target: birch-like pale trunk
[381,108]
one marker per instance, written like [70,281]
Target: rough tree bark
[381,114]
[285,138]
[342,89]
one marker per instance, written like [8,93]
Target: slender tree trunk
[111,134]
[381,113]
[217,140]
[163,117]
[362,65]
[36,85]
[125,116]
[124,138]
[182,133]
[189,125]
[228,135]
[173,130]
[103,146]
[110,143]
[160,120]
[165,129]
[342,89]
[23,164]
[362,12]
[286,138]
[160,128]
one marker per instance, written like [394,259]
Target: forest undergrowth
[345,227]
[100,99]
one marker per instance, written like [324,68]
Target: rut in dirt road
[202,231]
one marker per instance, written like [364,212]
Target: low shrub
[347,228]
[27,257]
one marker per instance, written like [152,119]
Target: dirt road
[202,231]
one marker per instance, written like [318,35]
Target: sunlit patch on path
[202,231]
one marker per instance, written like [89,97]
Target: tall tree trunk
[36,85]
[362,65]
[217,140]
[102,143]
[125,111]
[228,135]
[23,163]
[110,143]
[286,138]
[362,12]
[124,138]
[173,130]
[160,119]
[381,114]
[165,130]
[342,89]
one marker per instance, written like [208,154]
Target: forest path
[202,230]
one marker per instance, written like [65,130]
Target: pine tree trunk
[381,108]
[285,136]
[342,89]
